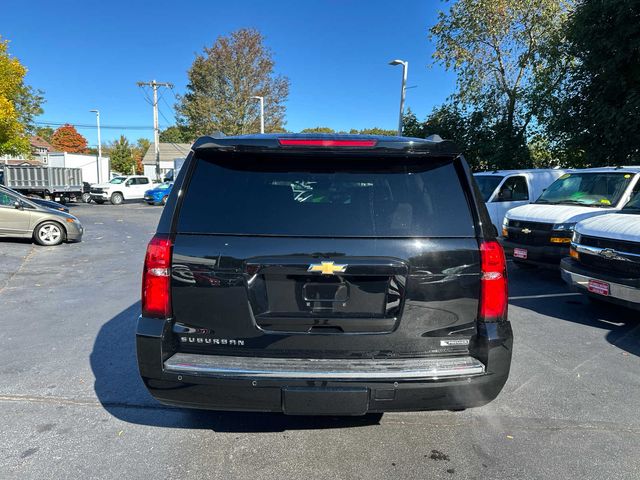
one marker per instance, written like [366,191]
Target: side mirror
[128,183]
[18,205]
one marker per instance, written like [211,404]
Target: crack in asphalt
[26,258]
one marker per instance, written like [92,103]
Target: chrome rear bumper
[323,369]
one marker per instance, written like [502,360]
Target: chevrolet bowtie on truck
[324,275]
[539,234]
[604,261]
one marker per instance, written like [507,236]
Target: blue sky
[87,55]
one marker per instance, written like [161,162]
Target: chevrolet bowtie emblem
[327,268]
[609,253]
[526,230]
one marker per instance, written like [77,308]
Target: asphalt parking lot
[73,405]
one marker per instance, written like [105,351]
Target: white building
[169,153]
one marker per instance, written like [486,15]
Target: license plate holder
[599,287]
[520,253]
[325,401]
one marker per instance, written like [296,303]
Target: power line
[86,125]
[156,129]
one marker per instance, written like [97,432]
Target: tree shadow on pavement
[535,290]
[121,392]
[622,323]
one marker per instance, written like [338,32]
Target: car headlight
[505,222]
[564,227]
[576,237]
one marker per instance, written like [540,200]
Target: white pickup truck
[120,189]
[604,260]
[540,233]
[503,190]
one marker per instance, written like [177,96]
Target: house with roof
[168,153]
[40,150]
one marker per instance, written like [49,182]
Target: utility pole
[99,159]
[156,130]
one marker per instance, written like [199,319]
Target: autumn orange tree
[67,139]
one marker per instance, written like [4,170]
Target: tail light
[156,275]
[493,283]
[322,142]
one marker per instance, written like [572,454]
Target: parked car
[503,190]
[539,234]
[121,189]
[158,195]
[20,217]
[382,288]
[37,200]
[604,260]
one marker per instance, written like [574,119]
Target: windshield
[118,180]
[487,184]
[633,206]
[591,189]
[163,186]
[325,197]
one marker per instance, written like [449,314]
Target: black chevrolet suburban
[334,275]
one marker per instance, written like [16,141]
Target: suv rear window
[325,196]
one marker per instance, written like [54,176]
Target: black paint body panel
[255,295]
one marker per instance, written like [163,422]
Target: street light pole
[405,67]
[261,111]
[99,159]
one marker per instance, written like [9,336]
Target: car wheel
[86,197]
[117,199]
[99,202]
[49,234]
[164,200]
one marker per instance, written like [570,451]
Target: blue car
[158,195]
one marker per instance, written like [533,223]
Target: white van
[503,190]
[604,260]
[540,233]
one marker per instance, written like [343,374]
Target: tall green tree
[595,116]
[374,131]
[222,81]
[318,130]
[177,134]
[120,153]
[45,132]
[496,47]
[472,131]
[19,104]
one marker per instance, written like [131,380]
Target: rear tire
[49,234]
[117,199]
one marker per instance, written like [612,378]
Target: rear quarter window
[328,196]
